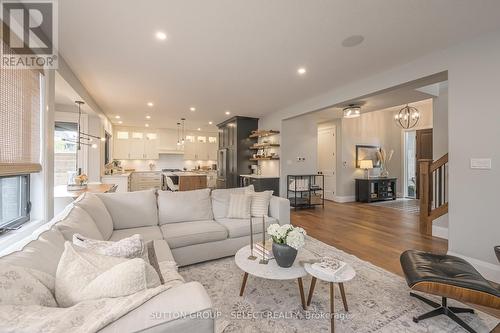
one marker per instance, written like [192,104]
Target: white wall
[299,138]
[474,76]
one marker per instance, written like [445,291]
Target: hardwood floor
[372,233]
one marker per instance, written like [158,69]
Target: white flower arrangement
[287,234]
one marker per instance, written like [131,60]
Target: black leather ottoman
[448,277]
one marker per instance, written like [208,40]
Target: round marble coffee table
[271,270]
[347,273]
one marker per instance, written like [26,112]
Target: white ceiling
[242,55]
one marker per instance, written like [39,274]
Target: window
[14,201]
[20,141]
[65,155]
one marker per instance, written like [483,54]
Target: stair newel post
[425,186]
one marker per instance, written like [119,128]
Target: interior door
[327,159]
[423,150]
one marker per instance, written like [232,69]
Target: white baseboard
[488,270]
[440,232]
[342,199]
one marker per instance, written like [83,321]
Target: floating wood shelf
[265,145]
[263,133]
[265,159]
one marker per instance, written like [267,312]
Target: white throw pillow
[184,206]
[239,206]
[96,209]
[78,221]
[220,199]
[20,287]
[260,203]
[130,247]
[84,275]
[131,209]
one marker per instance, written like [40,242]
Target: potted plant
[287,239]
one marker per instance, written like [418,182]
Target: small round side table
[347,273]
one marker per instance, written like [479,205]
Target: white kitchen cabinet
[201,147]
[122,181]
[134,144]
[121,145]
[145,180]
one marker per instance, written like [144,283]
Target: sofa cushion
[20,287]
[131,209]
[96,209]
[190,233]
[220,200]
[147,233]
[78,221]
[42,253]
[184,206]
[240,227]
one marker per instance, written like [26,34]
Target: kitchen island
[188,181]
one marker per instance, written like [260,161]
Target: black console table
[375,189]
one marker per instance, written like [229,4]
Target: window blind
[20,114]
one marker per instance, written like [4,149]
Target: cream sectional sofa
[186,227]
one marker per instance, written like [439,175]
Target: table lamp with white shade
[367,165]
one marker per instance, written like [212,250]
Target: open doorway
[410,165]
[327,159]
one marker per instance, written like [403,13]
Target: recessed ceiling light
[120,122]
[210,122]
[160,35]
[199,129]
[117,117]
[147,125]
[148,117]
[301,71]
[228,113]
[192,109]
[150,104]
[352,41]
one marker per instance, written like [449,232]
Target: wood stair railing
[433,191]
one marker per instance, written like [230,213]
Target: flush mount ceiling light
[192,109]
[301,71]
[160,35]
[352,111]
[352,41]
[150,104]
[407,117]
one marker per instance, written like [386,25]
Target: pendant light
[183,138]
[407,117]
[178,134]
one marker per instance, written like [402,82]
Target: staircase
[433,192]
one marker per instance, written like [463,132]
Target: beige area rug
[378,301]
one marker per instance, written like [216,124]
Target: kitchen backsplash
[165,162]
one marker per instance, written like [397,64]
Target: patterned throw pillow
[19,287]
[239,206]
[130,247]
[84,275]
[260,203]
